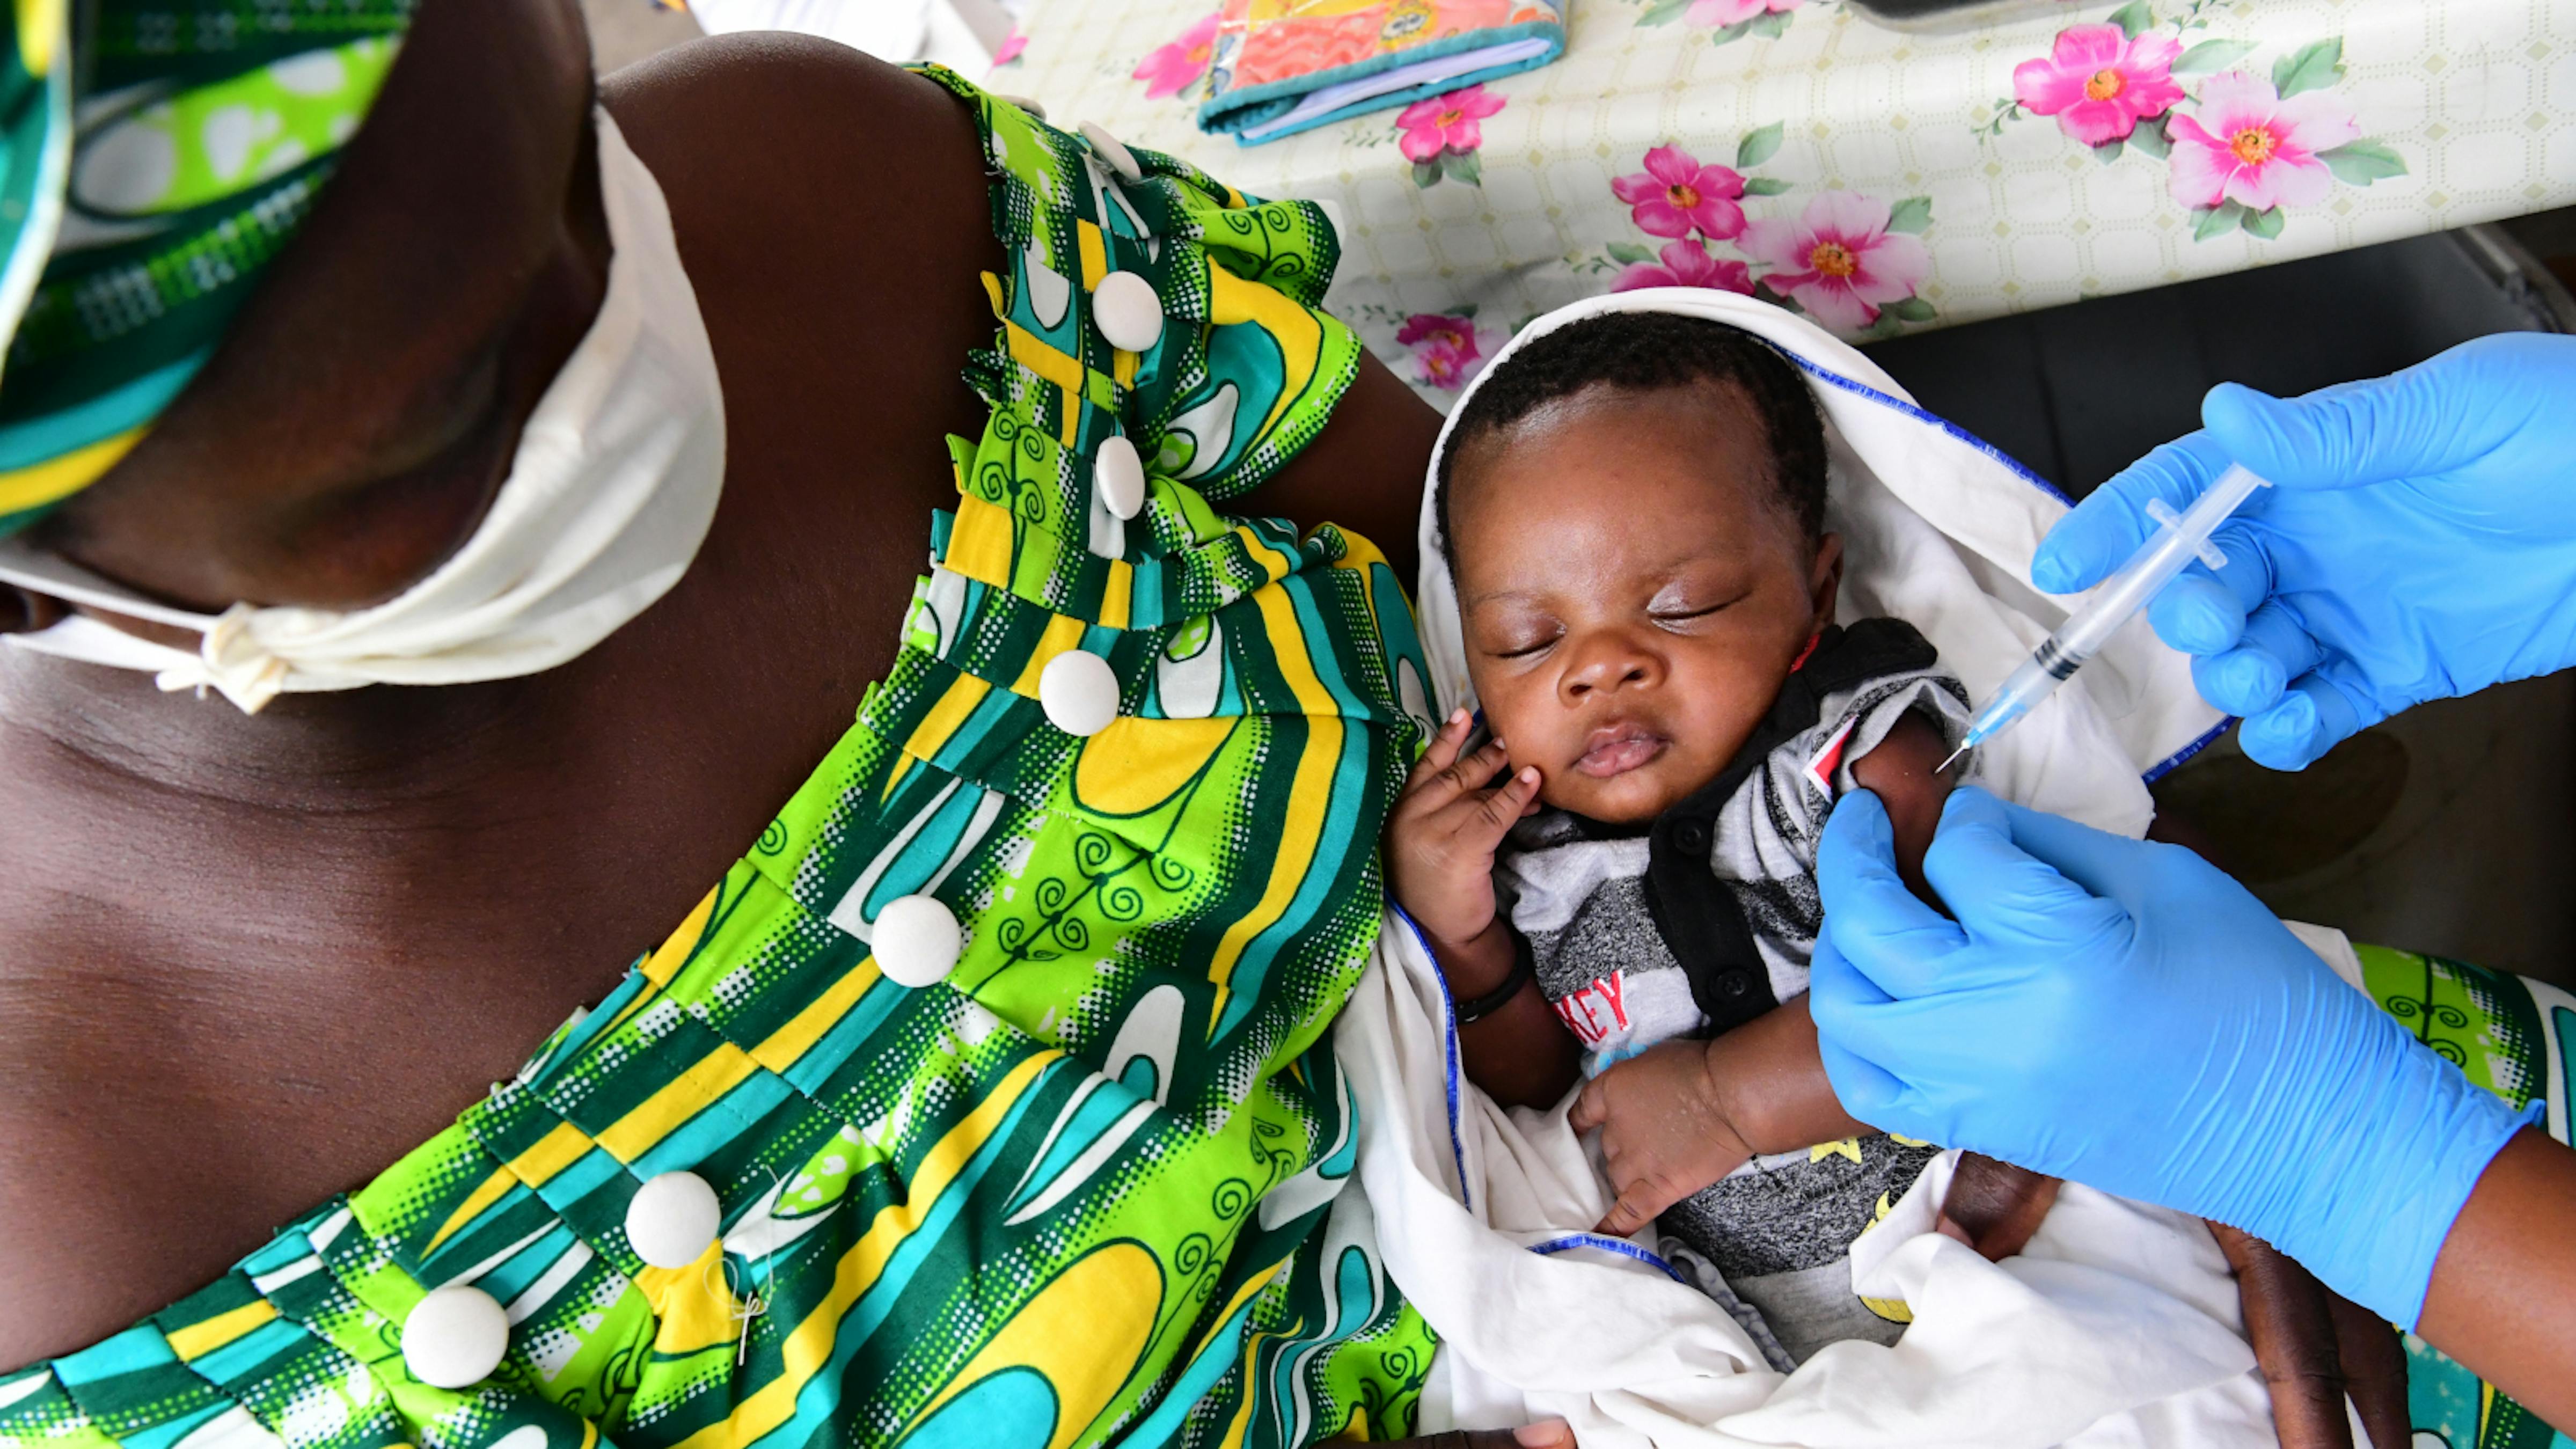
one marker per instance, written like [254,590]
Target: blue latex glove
[2121,1013]
[2420,541]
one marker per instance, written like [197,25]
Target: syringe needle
[1943,768]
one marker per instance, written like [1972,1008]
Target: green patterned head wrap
[158,154]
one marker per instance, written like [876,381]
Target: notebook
[1284,66]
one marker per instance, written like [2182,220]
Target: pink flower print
[2243,143]
[1730,12]
[1012,45]
[1443,347]
[1171,68]
[1686,264]
[2099,83]
[1675,193]
[1839,260]
[1446,123]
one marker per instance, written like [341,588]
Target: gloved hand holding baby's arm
[2218,1066]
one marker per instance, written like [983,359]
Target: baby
[1632,508]
[1634,514]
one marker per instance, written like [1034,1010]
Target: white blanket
[2118,1325]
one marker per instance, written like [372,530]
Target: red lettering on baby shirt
[1583,1012]
[1614,989]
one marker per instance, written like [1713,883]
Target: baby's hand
[1447,824]
[1666,1130]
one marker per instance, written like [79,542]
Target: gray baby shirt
[1706,919]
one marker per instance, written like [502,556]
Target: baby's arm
[1682,1115]
[1440,844]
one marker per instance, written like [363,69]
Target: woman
[1083,1187]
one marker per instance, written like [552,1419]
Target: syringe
[2176,543]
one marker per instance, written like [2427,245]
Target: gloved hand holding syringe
[2182,538]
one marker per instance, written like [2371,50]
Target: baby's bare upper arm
[1903,772]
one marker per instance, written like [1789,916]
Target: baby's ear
[1825,579]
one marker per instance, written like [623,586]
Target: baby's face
[1634,592]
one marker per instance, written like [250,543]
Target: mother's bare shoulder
[803,148]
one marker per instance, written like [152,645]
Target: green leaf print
[2133,18]
[2107,152]
[2360,163]
[1914,213]
[1629,252]
[2218,220]
[1663,12]
[1426,174]
[1770,25]
[1910,309]
[2265,224]
[1764,186]
[2211,55]
[1463,166]
[2309,68]
[1758,146]
[2149,139]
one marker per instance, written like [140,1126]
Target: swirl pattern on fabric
[1087,1190]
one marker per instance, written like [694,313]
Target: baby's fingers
[1462,776]
[1499,809]
[1591,1109]
[1640,1203]
[1442,752]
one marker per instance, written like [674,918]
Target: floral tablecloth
[1880,180]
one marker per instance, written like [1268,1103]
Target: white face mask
[610,494]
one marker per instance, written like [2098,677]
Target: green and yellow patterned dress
[1085,1191]
[2516,1037]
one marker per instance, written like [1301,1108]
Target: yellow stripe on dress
[199,1339]
[808,1347]
[681,944]
[1094,250]
[947,717]
[1310,798]
[1275,564]
[693,1307]
[979,542]
[40,30]
[58,478]
[492,1190]
[1063,635]
[1298,331]
[1051,364]
[551,1154]
[783,1048]
[1084,1333]
[679,1101]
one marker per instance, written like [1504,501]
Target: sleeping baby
[1619,885]
[1655,651]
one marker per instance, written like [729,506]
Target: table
[1882,180]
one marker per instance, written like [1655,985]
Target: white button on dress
[1118,475]
[454,1337]
[672,1219]
[1079,692]
[1024,103]
[1129,313]
[1112,150]
[916,941]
